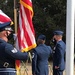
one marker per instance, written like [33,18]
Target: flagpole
[15,23]
[15,16]
[70,38]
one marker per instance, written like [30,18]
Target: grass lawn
[27,70]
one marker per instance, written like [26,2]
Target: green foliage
[49,15]
[7,7]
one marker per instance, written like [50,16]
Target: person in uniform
[8,54]
[40,57]
[58,53]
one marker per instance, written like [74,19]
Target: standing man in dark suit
[58,54]
[8,54]
[40,57]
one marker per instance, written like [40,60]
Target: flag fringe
[26,5]
[29,48]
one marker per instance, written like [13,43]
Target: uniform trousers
[57,72]
[7,71]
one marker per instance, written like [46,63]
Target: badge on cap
[8,29]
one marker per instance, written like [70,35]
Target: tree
[49,15]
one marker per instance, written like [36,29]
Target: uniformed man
[58,54]
[8,54]
[40,57]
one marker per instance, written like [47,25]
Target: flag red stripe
[3,17]
[27,27]
[28,2]
[29,17]
[26,35]
[20,40]
[23,26]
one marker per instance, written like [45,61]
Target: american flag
[4,18]
[26,34]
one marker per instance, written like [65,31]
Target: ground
[27,70]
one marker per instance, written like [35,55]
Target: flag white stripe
[22,30]
[2,13]
[28,29]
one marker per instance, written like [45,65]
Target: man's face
[6,33]
[9,35]
[38,41]
[57,37]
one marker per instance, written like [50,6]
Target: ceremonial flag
[26,35]
[4,18]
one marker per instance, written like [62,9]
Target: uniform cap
[8,28]
[58,32]
[5,26]
[42,37]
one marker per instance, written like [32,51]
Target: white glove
[15,36]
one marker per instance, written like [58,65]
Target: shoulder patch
[14,50]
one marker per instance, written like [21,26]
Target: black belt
[6,65]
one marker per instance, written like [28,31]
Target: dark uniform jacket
[40,59]
[58,55]
[8,54]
